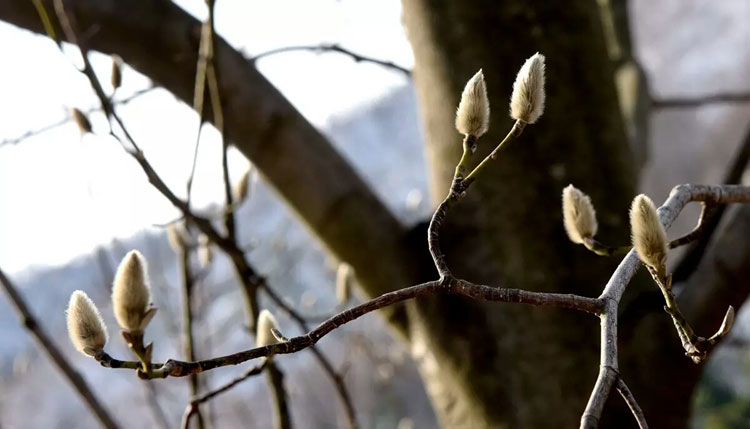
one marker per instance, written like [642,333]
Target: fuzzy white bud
[205,252]
[131,294]
[176,236]
[579,216]
[649,237]
[241,190]
[86,328]
[473,114]
[527,101]
[264,332]
[344,279]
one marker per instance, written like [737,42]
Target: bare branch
[57,358]
[632,403]
[175,368]
[689,102]
[333,48]
[52,126]
[679,197]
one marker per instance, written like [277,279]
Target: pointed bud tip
[86,328]
[473,113]
[527,101]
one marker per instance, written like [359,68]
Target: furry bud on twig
[264,335]
[649,237]
[579,216]
[81,120]
[344,279]
[205,253]
[527,101]
[176,236]
[131,294]
[116,74]
[242,189]
[473,114]
[86,328]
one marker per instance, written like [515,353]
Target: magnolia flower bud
[131,294]
[205,253]
[241,191]
[266,324]
[579,216]
[344,278]
[527,101]
[86,328]
[116,73]
[81,120]
[473,114]
[649,237]
[176,237]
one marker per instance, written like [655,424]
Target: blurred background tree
[483,364]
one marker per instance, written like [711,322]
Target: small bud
[527,101]
[649,237]
[131,294]
[116,74]
[266,325]
[473,114]
[81,120]
[205,253]
[242,190]
[86,328]
[344,278]
[579,216]
[176,236]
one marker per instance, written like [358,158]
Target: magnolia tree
[459,402]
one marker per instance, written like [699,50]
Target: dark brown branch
[627,395]
[175,368]
[57,358]
[333,48]
[697,101]
[190,410]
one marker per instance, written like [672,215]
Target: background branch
[57,358]
[333,48]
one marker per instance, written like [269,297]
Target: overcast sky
[61,194]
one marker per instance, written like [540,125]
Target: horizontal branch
[697,101]
[175,368]
[333,48]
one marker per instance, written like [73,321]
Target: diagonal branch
[57,358]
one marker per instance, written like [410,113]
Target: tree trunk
[506,365]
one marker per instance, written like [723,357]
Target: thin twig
[54,354]
[189,343]
[333,48]
[627,395]
[175,368]
[52,126]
